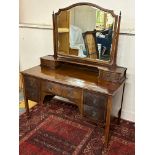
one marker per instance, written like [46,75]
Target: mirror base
[49,62]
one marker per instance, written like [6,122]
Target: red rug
[58,129]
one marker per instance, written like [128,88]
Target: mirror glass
[86,32]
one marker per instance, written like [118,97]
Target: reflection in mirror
[85,31]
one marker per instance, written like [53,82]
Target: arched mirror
[86,32]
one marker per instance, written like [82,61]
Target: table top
[74,77]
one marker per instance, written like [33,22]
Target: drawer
[71,93]
[94,99]
[94,113]
[31,88]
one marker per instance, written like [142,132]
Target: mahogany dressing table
[91,84]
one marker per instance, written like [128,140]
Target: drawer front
[71,93]
[31,88]
[94,113]
[95,105]
[94,99]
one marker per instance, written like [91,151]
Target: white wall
[40,12]
[87,17]
[125,58]
[35,43]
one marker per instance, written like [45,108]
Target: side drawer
[32,87]
[71,93]
[95,105]
[94,113]
[94,99]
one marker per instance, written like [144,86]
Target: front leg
[42,96]
[107,125]
[80,103]
[80,106]
[25,97]
[81,109]
[26,106]
[120,111]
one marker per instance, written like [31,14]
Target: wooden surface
[63,23]
[91,45]
[72,76]
[78,84]
[83,81]
[107,126]
[73,51]
[115,74]
[20,82]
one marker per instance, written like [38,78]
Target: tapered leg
[120,111]
[42,96]
[119,116]
[107,125]
[25,98]
[81,110]
[80,104]
[26,106]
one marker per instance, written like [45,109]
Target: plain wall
[87,17]
[35,42]
[40,12]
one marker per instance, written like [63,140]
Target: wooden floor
[22,104]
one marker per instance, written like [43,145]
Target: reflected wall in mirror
[85,31]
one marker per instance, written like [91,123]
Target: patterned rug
[58,129]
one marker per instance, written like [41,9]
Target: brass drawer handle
[50,89]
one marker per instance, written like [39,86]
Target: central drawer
[71,93]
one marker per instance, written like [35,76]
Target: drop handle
[50,89]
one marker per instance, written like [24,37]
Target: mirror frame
[72,58]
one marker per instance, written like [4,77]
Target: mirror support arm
[117,38]
[54,36]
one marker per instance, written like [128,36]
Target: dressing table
[91,84]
